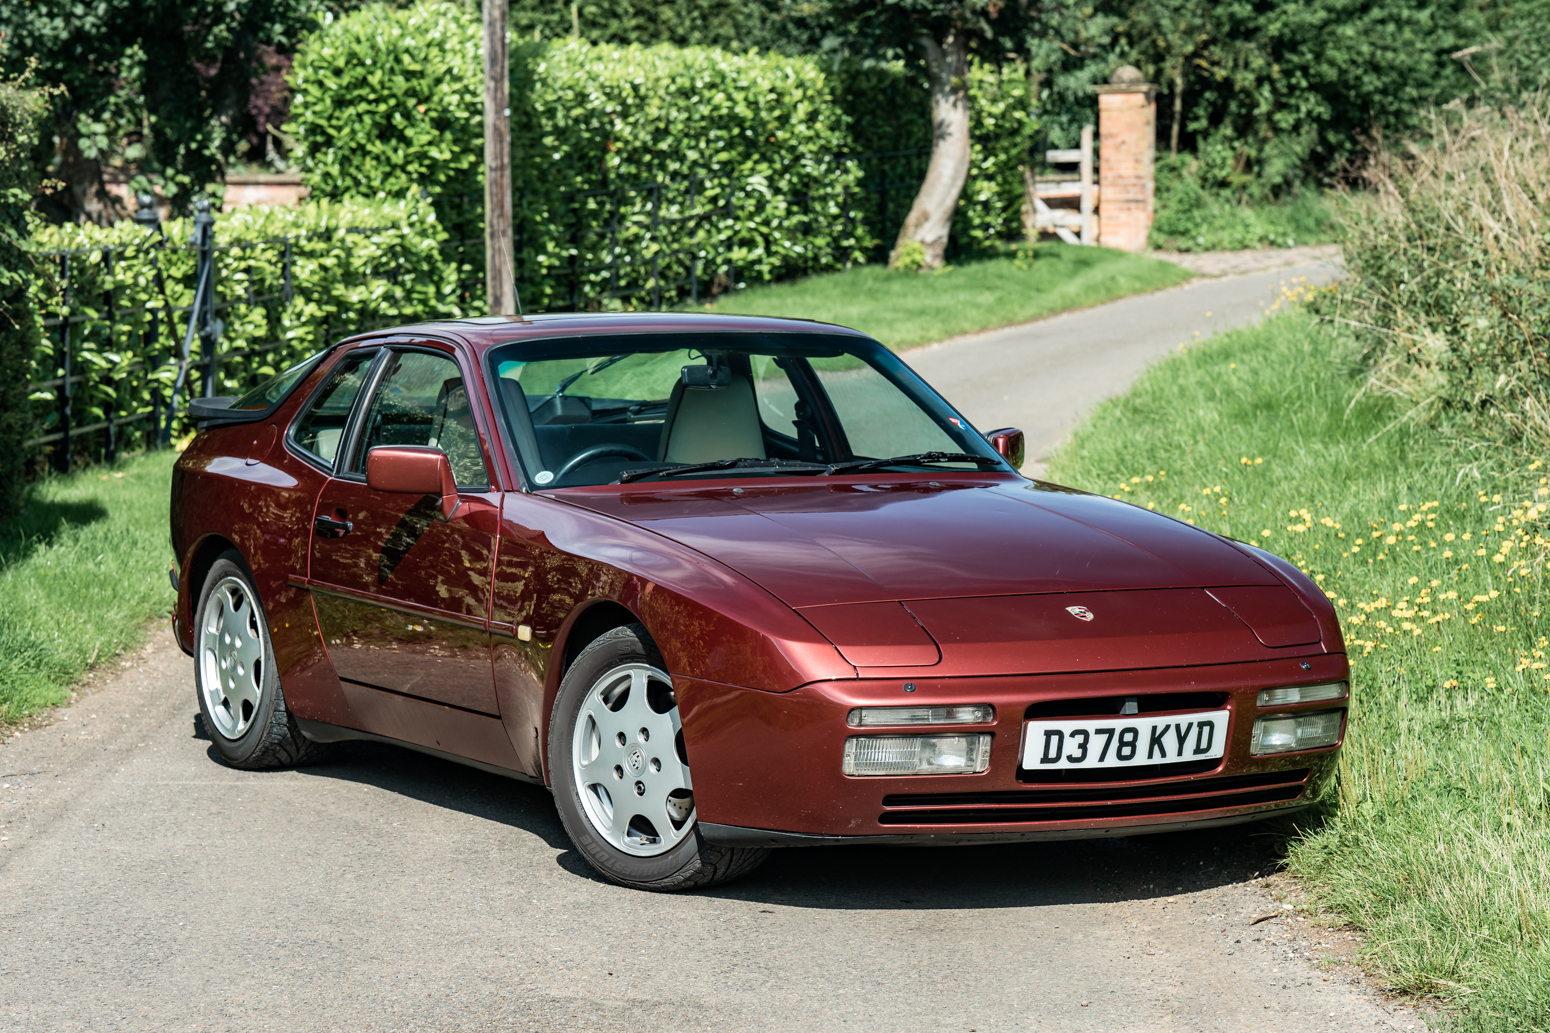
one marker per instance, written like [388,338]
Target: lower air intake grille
[1018,806]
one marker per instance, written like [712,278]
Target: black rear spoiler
[214,412]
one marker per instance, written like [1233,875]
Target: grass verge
[1438,844]
[81,571]
[979,292]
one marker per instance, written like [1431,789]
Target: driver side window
[422,400]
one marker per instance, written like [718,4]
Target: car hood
[828,544]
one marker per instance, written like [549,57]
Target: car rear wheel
[239,692]
[621,774]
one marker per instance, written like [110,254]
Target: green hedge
[388,103]
[21,114]
[354,265]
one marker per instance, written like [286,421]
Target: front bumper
[737,836]
[766,766]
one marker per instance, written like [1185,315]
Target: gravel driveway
[145,886]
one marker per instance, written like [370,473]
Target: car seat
[707,423]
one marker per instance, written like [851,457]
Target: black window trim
[216,411]
[351,440]
[305,454]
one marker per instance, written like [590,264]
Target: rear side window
[273,391]
[320,429]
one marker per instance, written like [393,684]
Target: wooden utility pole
[500,277]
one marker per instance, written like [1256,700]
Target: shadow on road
[441,783]
[861,877]
[1008,875]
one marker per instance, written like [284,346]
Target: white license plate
[1117,742]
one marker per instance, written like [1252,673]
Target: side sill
[317,731]
[737,836]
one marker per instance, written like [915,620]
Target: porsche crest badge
[1081,613]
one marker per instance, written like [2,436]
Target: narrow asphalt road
[144,886]
[1044,377]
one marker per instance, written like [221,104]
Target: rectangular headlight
[1290,732]
[1302,694]
[916,754]
[880,717]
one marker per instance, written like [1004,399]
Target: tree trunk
[1178,112]
[86,196]
[931,216]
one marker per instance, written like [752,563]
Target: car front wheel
[621,775]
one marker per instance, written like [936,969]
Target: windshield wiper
[791,465]
[568,381]
[858,465]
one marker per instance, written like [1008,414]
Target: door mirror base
[413,470]
[1009,445]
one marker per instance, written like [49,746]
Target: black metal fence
[133,331]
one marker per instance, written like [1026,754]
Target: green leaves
[753,153]
[353,266]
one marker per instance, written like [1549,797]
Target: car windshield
[646,407]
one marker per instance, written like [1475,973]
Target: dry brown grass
[1450,248]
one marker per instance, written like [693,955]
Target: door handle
[328,527]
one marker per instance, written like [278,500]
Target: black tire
[692,863]
[256,737]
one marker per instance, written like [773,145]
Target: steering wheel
[586,456]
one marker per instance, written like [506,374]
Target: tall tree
[160,85]
[1167,38]
[948,35]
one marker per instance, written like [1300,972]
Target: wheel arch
[581,629]
[203,557]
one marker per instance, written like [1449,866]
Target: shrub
[21,114]
[762,131]
[1002,129]
[354,265]
[388,104]
[1448,260]
[1191,217]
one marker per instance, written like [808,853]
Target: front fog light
[1296,732]
[1302,694]
[916,754]
[876,717]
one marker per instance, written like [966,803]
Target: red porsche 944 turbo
[726,584]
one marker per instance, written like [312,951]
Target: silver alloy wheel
[634,785]
[231,657]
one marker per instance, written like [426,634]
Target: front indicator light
[879,717]
[1302,694]
[1289,732]
[916,754]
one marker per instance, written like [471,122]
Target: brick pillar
[1127,136]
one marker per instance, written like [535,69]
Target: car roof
[483,332]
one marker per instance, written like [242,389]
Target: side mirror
[413,470]
[1008,443]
